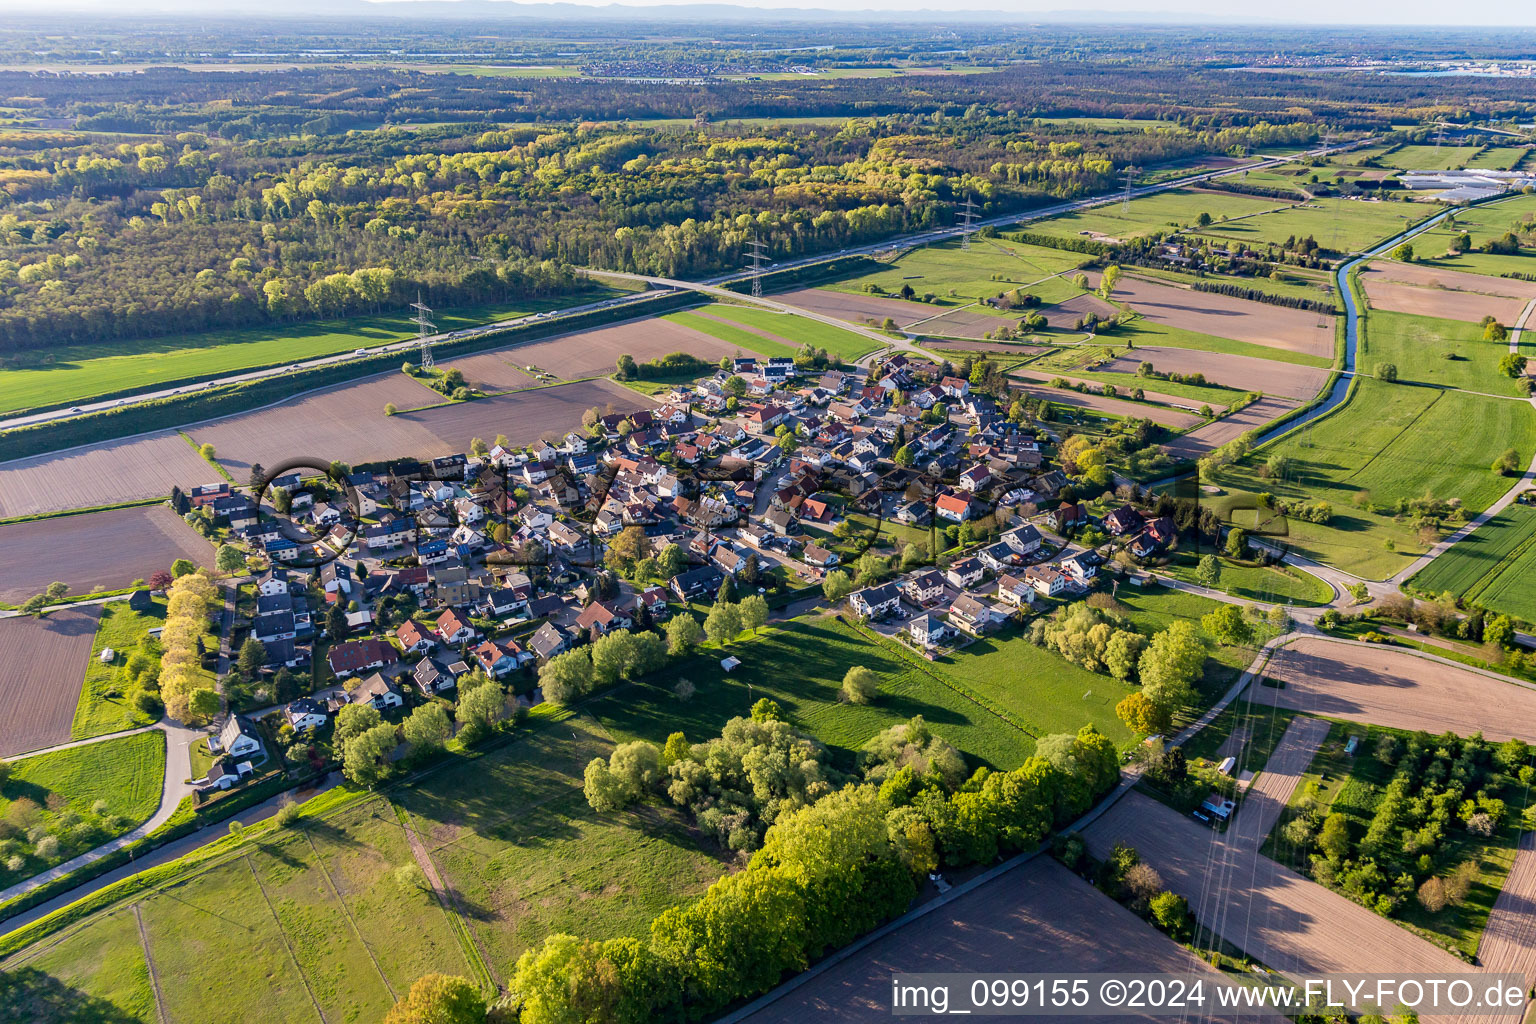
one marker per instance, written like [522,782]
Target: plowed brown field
[42,664]
[96,551]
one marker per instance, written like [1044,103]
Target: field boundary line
[149,963]
[469,942]
[320,861]
[281,931]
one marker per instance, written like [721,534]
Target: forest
[104,238]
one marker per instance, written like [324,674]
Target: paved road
[920,238]
[178,765]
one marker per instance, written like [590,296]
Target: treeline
[834,863]
[1264,191]
[1237,291]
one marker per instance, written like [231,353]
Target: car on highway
[75,409]
[359,351]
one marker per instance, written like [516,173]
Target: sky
[1497,13]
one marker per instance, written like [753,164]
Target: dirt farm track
[95,551]
[42,664]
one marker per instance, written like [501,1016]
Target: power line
[757,255]
[1130,176]
[424,331]
[967,222]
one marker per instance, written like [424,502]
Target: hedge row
[1237,291]
[1083,245]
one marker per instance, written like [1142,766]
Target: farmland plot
[42,664]
[101,474]
[1246,373]
[96,550]
[1384,686]
[1448,294]
[1294,330]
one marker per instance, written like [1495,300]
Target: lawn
[1142,332]
[1499,158]
[1429,350]
[1388,442]
[513,835]
[1161,212]
[990,266]
[731,335]
[102,708]
[124,776]
[96,974]
[80,372]
[846,345]
[1344,225]
[1432,158]
[1510,590]
[1270,584]
[1352,785]
[801,665]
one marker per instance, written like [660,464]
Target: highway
[709,286]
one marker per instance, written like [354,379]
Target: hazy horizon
[1407,14]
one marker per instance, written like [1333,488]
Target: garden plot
[1286,380]
[1382,686]
[1448,294]
[101,474]
[42,664]
[96,550]
[1294,330]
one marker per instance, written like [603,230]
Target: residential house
[977,478]
[601,617]
[1069,515]
[275,580]
[548,641]
[454,628]
[998,556]
[820,557]
[353,656]
[306,713]
[929,630]
[967,572]
[1026,540]
[207,494]
[1015,591]
[454,589]
[973,615]
[923,586]
[1123,520]
[225,773]
[1045,580]
[781,522]
[1082,567]
[876,602]
[380,692]
[238,738]
[955,387]
[414,637]
[697,582]
[498,658]
[954,507]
